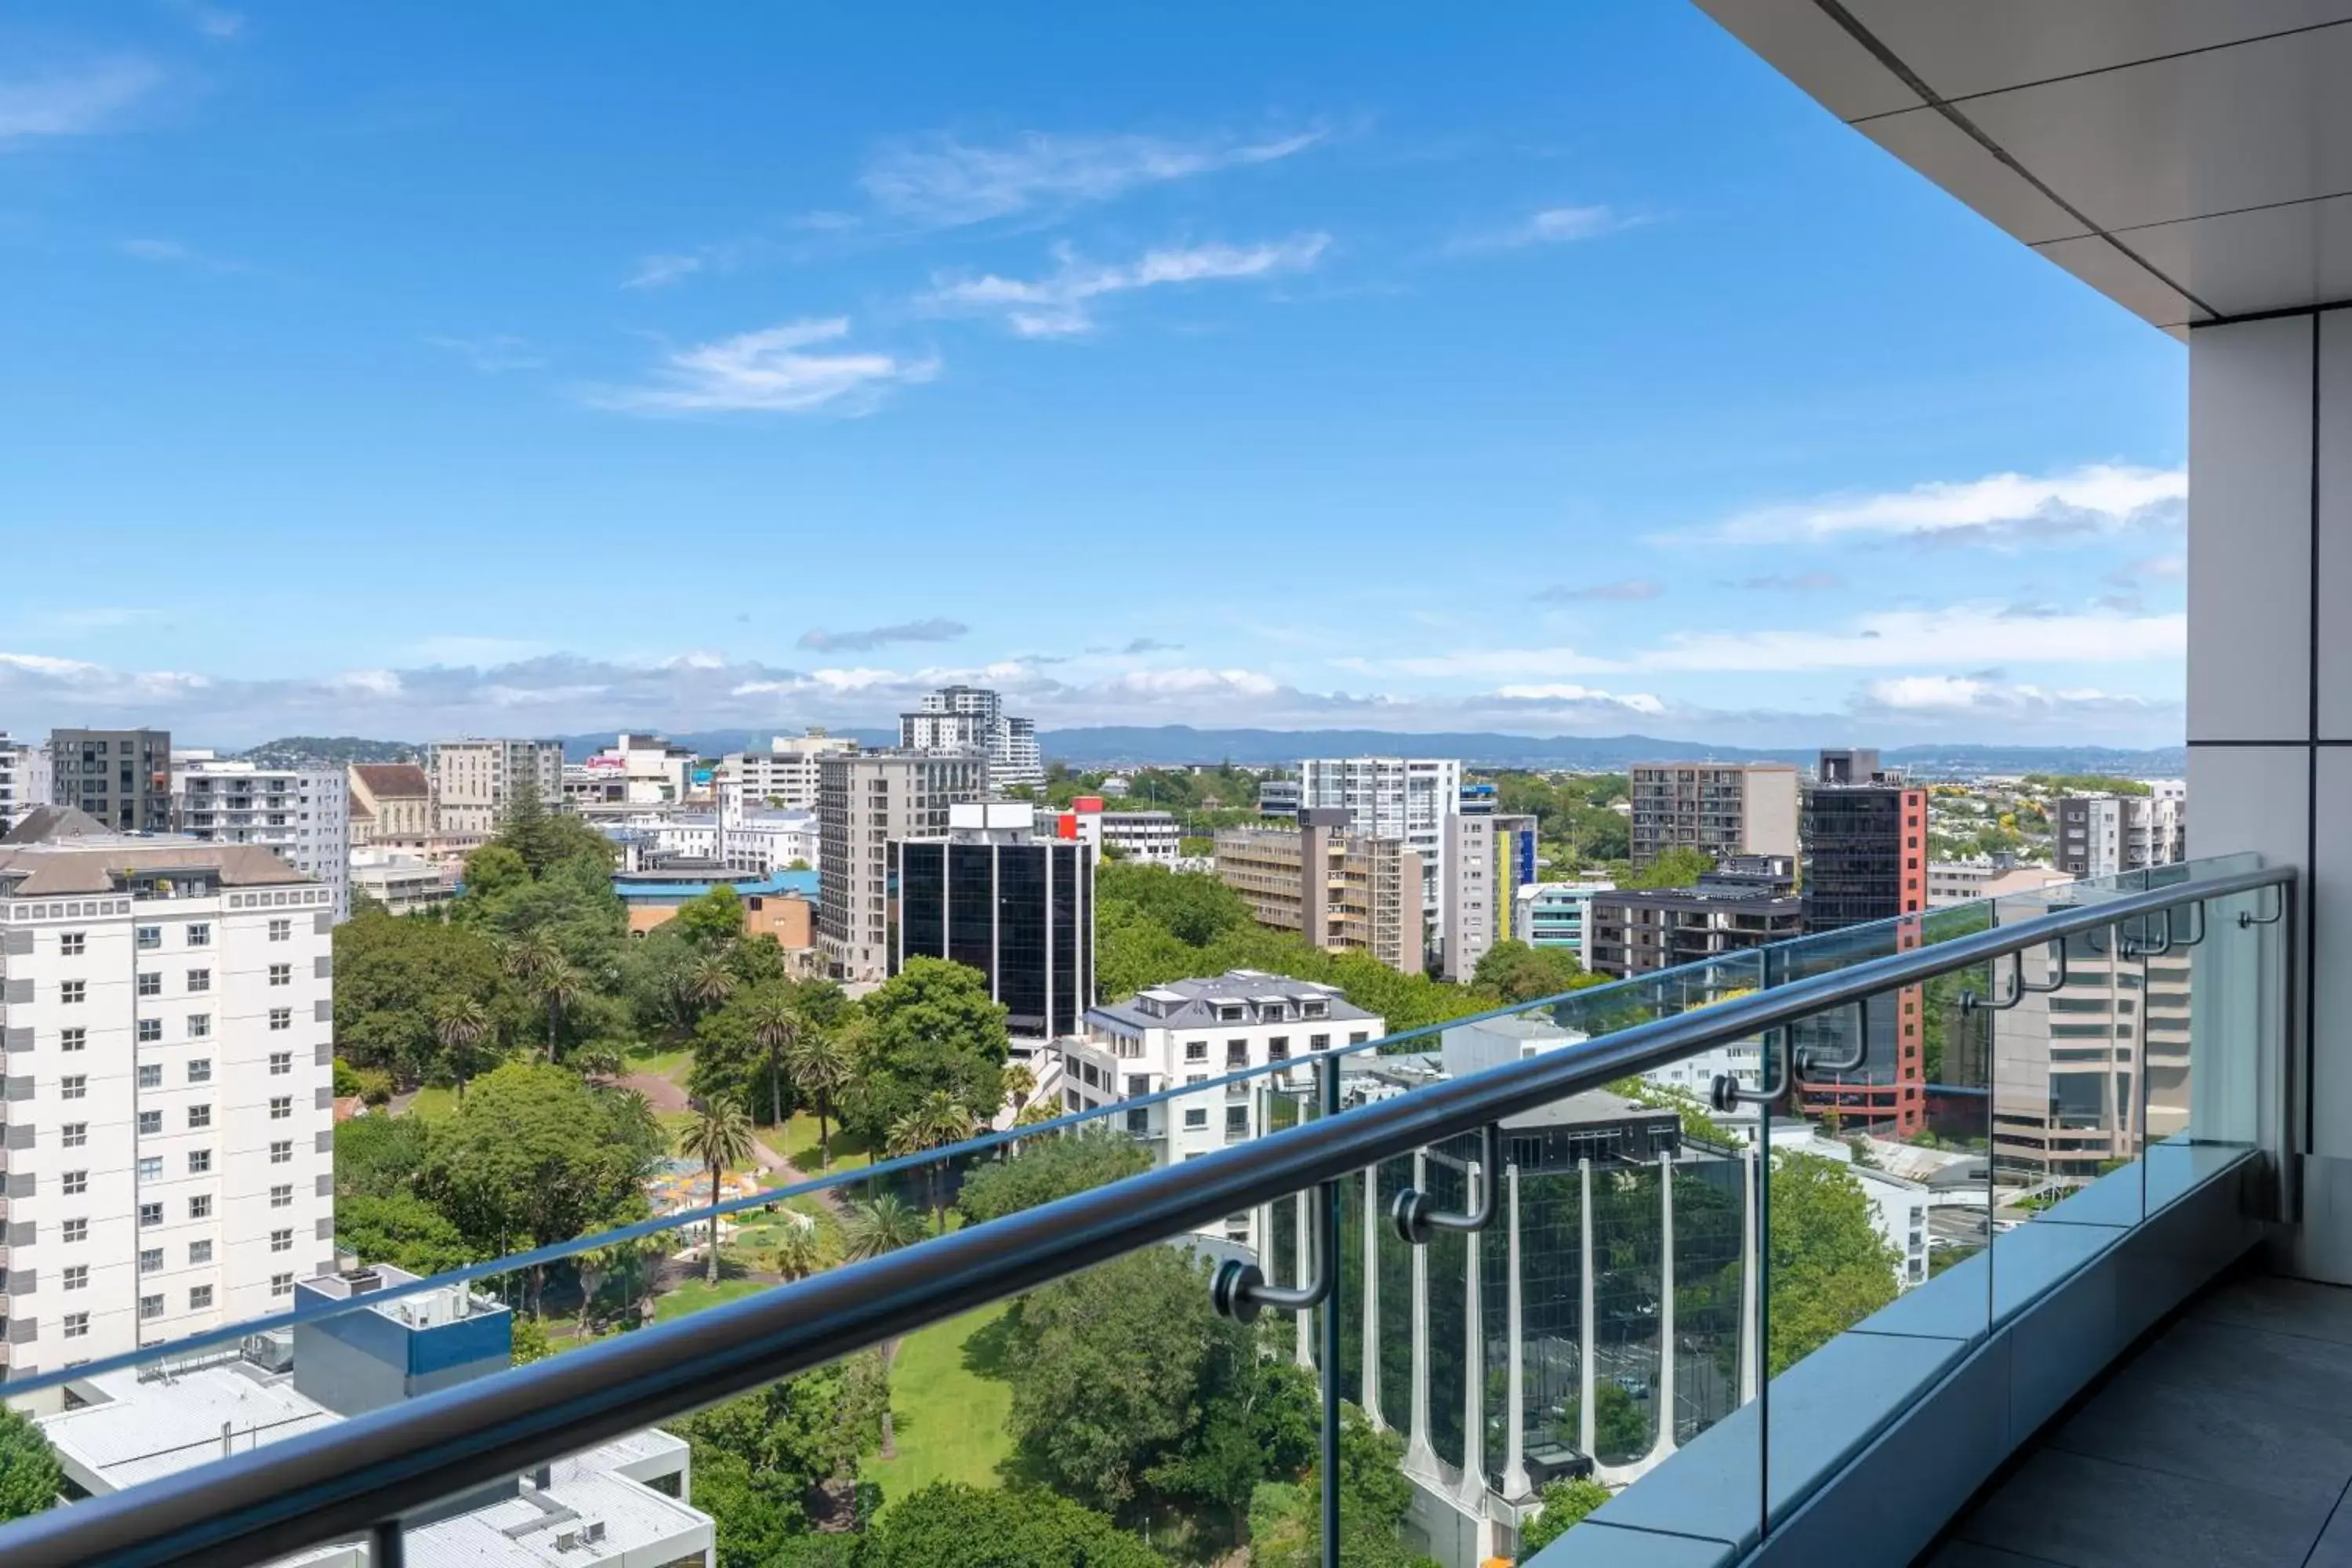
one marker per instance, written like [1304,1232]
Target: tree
[1020,1083]
[1286,1521]
[775,1024]
[1619,1428]
[388,970]
[939,1122]
[1828,1268]
[1565,1503]
[931,1027]
[821,1062]
[560,987]
[881,1225]
[378,1156]
[1679,867]
[1049,1168]
[707,982]
[493,869]
[536,1156]
[526,1340]
[402,1230]
[948,1525]
[713,922]
[460,1026]
[30,1475]
[718,1136]
[1515,971]
[756,1460]
[796,1255]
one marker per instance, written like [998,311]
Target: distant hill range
[290,750]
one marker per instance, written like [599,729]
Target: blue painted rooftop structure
[644,890]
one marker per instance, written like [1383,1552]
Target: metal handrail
[341,1483]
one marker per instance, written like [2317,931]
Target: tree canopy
[1516,972]
[1565,1504]
[403,1230]
[1047,1168]
[537,1157]
[30,1475]
[1828,1268]
[931,1027]
[951,1525]
[1286,1520]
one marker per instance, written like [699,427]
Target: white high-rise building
[24,778]
[972,718]
[784,777]
[167,1021]
[1392,797]
[473,780]
[303,813]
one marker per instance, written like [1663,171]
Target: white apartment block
[652,772]
[1407,798]
[2107,834]
[972,718]
[1154,836]
[302,813]
[474,779]
[865,800]
[1953,882]
[770,841]
[401,882]
[784,777]
[24,778]
[167,1022]
[1189,1031]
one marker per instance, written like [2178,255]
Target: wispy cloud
[771,371]
[1062,303]
[1999,509]
[662,269]
[77,101]
[1151,645]
[1986,696]
[212,21]
[172,253]
[1548,225]
[1790,582]
[943,181]
[494,354]
[1628,590]
[2152,569]
[936,629]
[1558,691]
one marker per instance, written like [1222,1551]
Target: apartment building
[1865,860]
[784,777]
[992,894]
[473,780]
[24,779]
[1488,857]
[302,813]
[1640,931]
[1152,836]
[1278,797]
[865,800]
[1953,882]
[972,718]
[2107,834]
[769,841]
[1404,798]
[646,769]
[1338,889]
[1555,914]
[391,804]
[1716,809]
[120,777]
[167,1022]
[401,881]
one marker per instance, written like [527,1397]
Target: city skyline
[1320,388]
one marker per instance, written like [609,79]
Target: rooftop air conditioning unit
[567,1541]
[595,1530]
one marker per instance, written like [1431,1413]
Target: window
[73,1086]
[280,1063]
[199,1118]
[1236,1054]
[281,1197]
[149,1030]
[71,992]
[200,935]
[1236,1120]
[151,1168]
[281,1107]
[150,982]
[201,1206]
[151,1260]
[72,944]
[77,1276]
[200,1298]
[73,1134]
[200,979]
[77,1325]
[151,1214]
[282,1153]
[200,1025]
[281,1241]
[281,974]
[73,1183]
[281,1284]
[151,936]
[151,1075]
[151,1122]
[200,1162]
[1357,1037]
[1196,1116]
[74,1039]
[281,1017]
[200,1252]
[1196,1050]
[1319,1042]
[151,1306]
[74,1230]
[281,930]
[1278,1049]
[200,1069]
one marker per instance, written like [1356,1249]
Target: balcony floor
[2227,1442]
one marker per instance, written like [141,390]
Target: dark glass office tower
[1019,909]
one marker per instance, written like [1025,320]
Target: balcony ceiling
[2189,159]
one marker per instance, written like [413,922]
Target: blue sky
[1548,370]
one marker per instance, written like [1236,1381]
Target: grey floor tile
[2095,1513]
[2284,1450]
[2335,1548]
[2291,1369]
[1968,1555]
[2282,1306]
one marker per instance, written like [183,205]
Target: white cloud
[1192,683]
[2102,498]
[495,354]
[2152,569]
[943,182]
[1060,304]
[769,371]
[659,271]
[1981,697]
[72,102]
[1959,636]
[1549,225]
[934,629]
[1631,589]
[1639,701]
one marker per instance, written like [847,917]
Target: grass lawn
[797,1144]
[694,1295]
[433,1104]
[951,1415]
[669,1064]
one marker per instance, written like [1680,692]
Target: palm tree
[1020,1083]
[561,987]
[776,1028]
[821,1065]
[709,982]
[879,1225]
[460,1024]
[796,1248]
[718,1136]
[539,964]
[939,1121]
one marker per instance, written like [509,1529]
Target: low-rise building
[1278,798]
[781,778]
[652,770]
[391,804]
[1953,882]
[782,905]
[1641,932]
[1337,888]
[401,881]
[1153,837]
[1555,914]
